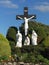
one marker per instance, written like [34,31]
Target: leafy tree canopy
[5,50]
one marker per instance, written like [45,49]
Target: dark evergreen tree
[11,36]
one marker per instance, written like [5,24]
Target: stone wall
[15,63]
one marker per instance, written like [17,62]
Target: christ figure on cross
[26,23]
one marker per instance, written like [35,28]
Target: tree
[11,34]
[12,45]
[5,50]
[46,41]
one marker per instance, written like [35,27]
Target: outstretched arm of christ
[30,17]
[20,17]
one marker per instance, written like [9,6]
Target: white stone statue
[19,39]
[34,38]
[26,23]
[27,41]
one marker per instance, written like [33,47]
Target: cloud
[44,7]
[8,3]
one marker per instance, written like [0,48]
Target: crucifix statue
[26,18]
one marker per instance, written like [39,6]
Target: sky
[10,8]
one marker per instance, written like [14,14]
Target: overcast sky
[10,8]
